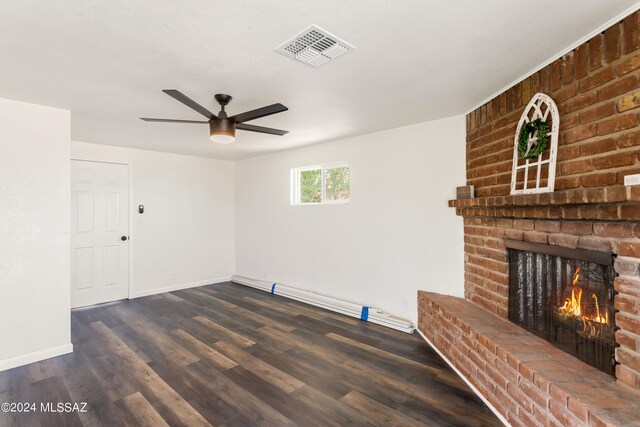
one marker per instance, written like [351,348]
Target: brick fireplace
[528,380]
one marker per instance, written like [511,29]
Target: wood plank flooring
[228,355]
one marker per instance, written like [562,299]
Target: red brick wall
[596,89]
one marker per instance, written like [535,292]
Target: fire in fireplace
[566,297]
[594,323]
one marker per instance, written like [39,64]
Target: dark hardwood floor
[230,355]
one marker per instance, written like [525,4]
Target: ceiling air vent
[314,46]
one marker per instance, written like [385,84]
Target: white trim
[179,287]
[328,202]
[35,356]
[560,54]
[100,161]
[132,232]
[475,390]
[331,165]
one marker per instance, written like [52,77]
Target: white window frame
[295,184]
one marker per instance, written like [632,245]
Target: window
[321,184]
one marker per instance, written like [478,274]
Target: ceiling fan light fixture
[222,131]
[222,139]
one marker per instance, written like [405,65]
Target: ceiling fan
[222,128]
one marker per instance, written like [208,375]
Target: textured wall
[186,236]
[34,230]
[395,236]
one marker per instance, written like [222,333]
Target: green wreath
[542,136]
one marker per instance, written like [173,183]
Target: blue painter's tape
[273,289]
[365,313]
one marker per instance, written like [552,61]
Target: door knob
[123,238]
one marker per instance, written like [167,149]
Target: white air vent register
[314,46]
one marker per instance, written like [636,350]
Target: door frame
[130,216]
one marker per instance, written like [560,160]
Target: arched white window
[537,174]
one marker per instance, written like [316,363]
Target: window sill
[337,202]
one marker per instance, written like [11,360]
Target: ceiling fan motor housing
[222,130]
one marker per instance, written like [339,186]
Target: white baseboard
[179,287]
[475,390]
[36,356]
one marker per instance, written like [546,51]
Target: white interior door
[99,232]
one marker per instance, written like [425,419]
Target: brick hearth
[528,380]
[596,89]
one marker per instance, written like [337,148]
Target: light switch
[632,179]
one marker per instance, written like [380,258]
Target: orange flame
[573,307]
[598,317]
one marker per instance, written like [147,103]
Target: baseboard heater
[358,311]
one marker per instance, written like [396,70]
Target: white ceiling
[107,61]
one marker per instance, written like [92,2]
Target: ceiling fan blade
[260,112]
[260,129]
[147,119]
[179,96]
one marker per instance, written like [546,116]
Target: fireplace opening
[566,297]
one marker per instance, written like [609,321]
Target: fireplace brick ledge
[528,380]
[613,203]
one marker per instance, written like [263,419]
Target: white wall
[186,236]
[34,233]
[396,236]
